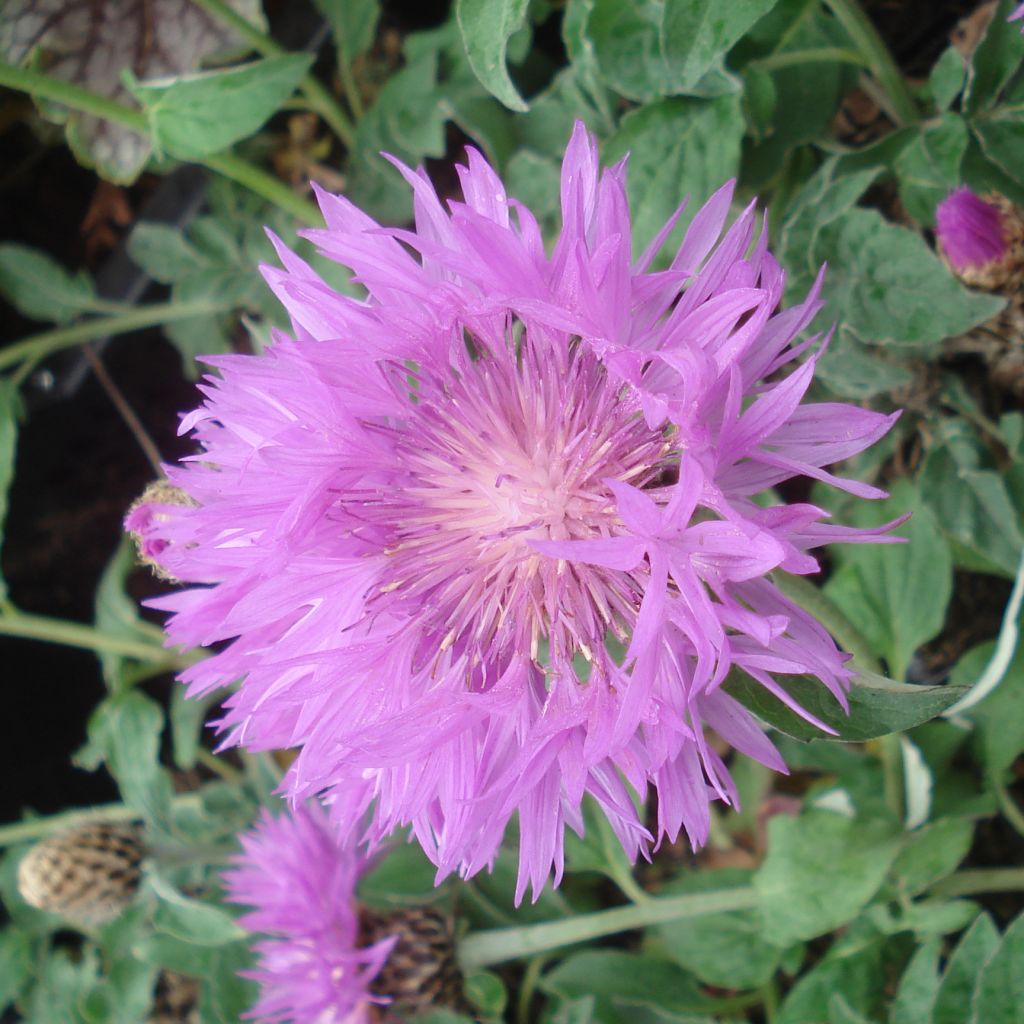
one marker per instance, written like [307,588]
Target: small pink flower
[1017,14]
[300,882]
[969,230]
[493,538]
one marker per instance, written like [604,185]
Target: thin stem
[526,989]
[480,949]
[813,55]
[125,410]
[231,166]
[318,97]
[866,39]
[38,346]
[351,86]
[76,634]
[219,766]
[38,828]
[979,880]
[1008,806]
[814,600]
[770,1002]
[255,179]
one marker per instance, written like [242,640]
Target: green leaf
[195,115]
[487,992]
[726,950]
[963,971]
[486,26]
[646,49]
[124,995]
[999,997]
[820,871]
[1000,137]
[63,982]
[125,731]
[403,877]
[929,168]
[677,148]
[897,594]
[995,59]
[163,252]
[999,718]
[622,983]
[40,288]
[931,853]
[17,964]
[946,79]
[971,502]
[353,22]
[878,706]
[918,986]
[224,996]
[851,968]
[192,920]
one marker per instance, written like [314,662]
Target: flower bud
[144,513]
[88,874]
[982,239]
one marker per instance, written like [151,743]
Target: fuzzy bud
[88,874]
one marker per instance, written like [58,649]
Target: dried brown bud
[421,972]
[88,874]
[176,1001]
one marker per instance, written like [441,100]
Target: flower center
[514,446]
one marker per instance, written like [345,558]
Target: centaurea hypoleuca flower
[300,882]
[488,541]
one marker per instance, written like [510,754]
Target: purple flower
[493,538]
[1017,14]
[301,883]
[969,230]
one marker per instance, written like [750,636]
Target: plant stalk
[974,881]
[869,43]
[481,949]
[229,164]
[38,346]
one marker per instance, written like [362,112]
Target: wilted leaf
[91,42]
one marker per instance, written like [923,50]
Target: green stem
[815,601]
[319,98]
[38,346]
[266,185]
[814,55]
[76,634]
[480,949]
[231,166]
[979,880]
[350,86]
[868,42]
[1009,809]
[39,828]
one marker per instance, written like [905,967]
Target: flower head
[1018,13]
[970,230]
[300,882]
[490,540]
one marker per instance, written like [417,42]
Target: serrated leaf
[929,168]
[897,594]
[820,871]
[486,26]
[999,997]
[163,252]
[645,50]
[918,986]
[878,706]
[353,22]
[41,288]
[963,972]
[971,502]
[932,853]
[125,732]
[169,38]
[677,148]
[727,950]
[193,116]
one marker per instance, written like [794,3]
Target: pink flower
[969,230]
[492,539]
[301,883]
[1017,14]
